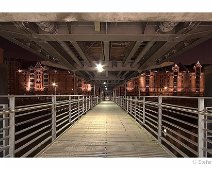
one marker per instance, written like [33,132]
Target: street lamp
[55,87]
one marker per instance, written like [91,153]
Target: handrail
[27,128]
[184,130]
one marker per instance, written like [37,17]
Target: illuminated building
[39,79]
[175,80]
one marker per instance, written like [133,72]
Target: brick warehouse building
[39,80]
[175,80]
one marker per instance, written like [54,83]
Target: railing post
[54,100]
[201,107]
[89,103]
[97,100]
[127,104]
[69,108]
[159,118]
[86,105]
[136,101]
[83,105]
[78,106]
[5,132]
[131,105]
[144,110]
[12,126]
[91,97]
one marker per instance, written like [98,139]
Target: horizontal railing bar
[172,111]
[208,130]
[148,117]
[178,134]
[36,147]
[31,105]
[174,147]
[151,111]
[62,114]
[67,120]
[181,121]
[208,140]
[62,128]
[4,128]
[28,113]
[4,148]
[30,120]
[151,124]
[31,134]
[62,118]
[151,114]
[4,138]
[33,126]
[182,144]
[32,141]
[178,127]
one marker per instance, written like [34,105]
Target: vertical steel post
[12,126]
[131,105]
[69,108]
[89,103]
[92,101]
[201,107]
[5,132]
[159,118]
[78,105]
[97,100]
[136,102]
[144,110]
[127,104]
[83,105]
[54,100]
[86,109]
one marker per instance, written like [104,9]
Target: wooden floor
[105,131]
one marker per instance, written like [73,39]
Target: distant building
[175,80]
[39,80]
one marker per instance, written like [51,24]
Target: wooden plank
[105,131]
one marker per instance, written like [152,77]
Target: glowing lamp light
[19,70]
[54,84]
[99,67]
[104,82]
[165,88]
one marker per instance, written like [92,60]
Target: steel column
[144,110]
[159,118]
[54,100]
[69,107]
[12,126]
[201,107]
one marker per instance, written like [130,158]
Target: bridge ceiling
[124,48]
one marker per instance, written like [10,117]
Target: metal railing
[181,124]
[32,122]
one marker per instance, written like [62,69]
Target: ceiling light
[104,82]
[99,67]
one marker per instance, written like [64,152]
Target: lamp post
[55,88]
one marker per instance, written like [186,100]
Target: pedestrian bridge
[105,131]
[87,126]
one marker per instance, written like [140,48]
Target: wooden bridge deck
[105,131]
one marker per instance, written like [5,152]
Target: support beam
[123,76]
[81,53]
[54,53]
[107,51]
[194,44]
[133,51]
[142,53]
[162,51]
[70,53]
[11,39]
[109,68]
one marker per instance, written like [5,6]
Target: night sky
[202,52]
